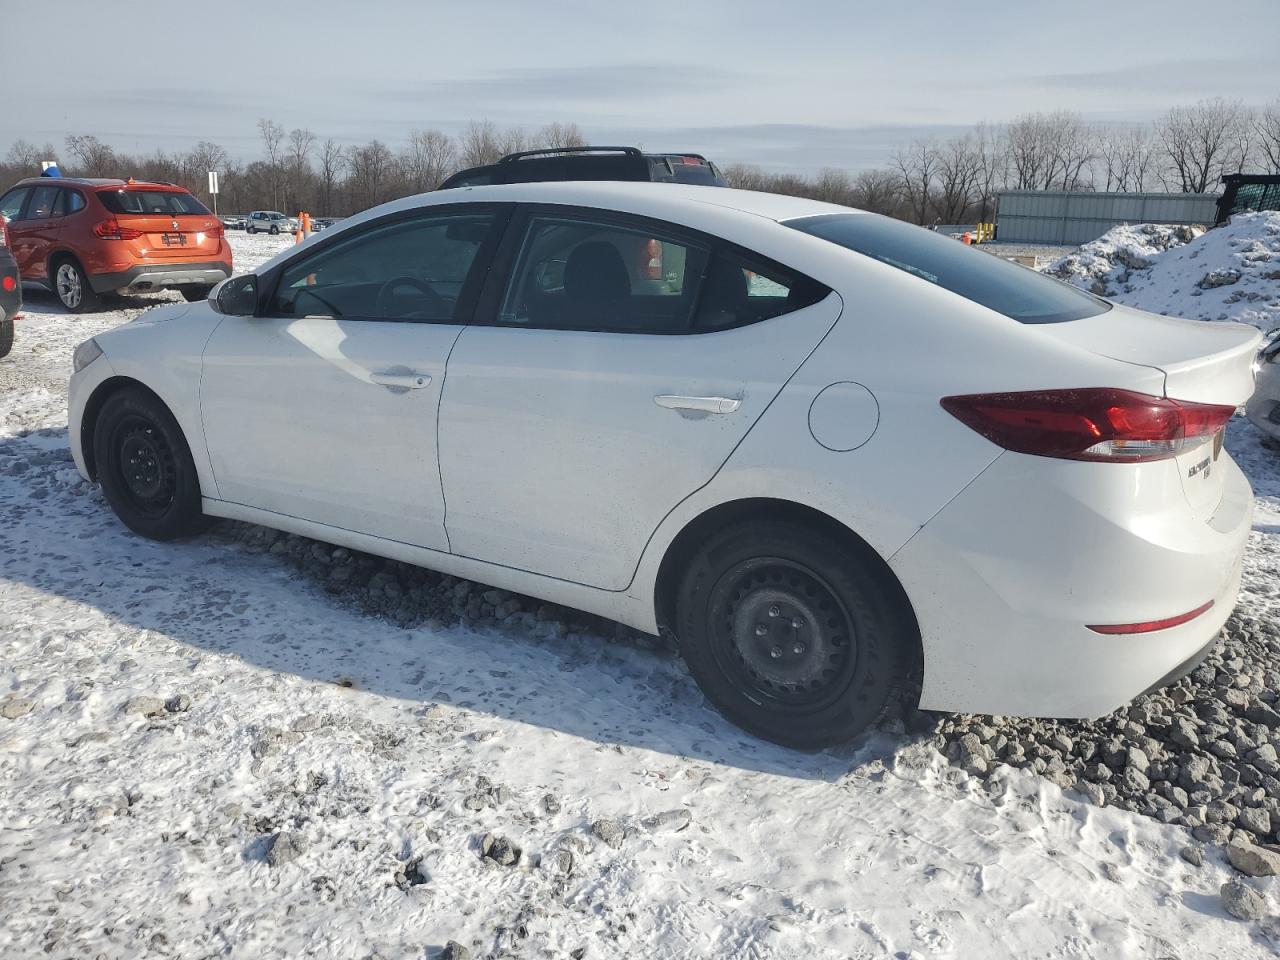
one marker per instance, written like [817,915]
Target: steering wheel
[387,293]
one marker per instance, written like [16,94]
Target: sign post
[213,189]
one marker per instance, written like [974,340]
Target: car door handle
[701,404]
[405,381]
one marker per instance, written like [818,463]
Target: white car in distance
[823,447]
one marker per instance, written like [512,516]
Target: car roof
[97,183]
[627,194]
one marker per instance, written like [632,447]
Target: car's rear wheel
[792,633]
[72,287]
[6,336]
[145,467]
[251,229]
[193,293]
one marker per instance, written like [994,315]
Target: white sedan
[825,448]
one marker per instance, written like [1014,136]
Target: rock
[1183,733]
[16,707]
[1092,792]
[1134,781]
[1255,820]
[307,723]
[147,706]
[1253,860]
[1138,760]
[285,847]
[178,703]
[1212,833]
[453,950]
[560,861]
[1192,855]
[1242,902]
[499,849]
[610,831]
[550,804]
[1061,742]
[670,820]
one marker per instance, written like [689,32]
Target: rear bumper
[161,276]
[10,301]
[1006,577]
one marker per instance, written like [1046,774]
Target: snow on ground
[384,755]
[1230,273]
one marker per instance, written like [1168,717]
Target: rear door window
[585,274]
[741,288]
[1002,286]
[41,205]
[151,202]
[69,201]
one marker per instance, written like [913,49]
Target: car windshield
[166,202]
[1005,287]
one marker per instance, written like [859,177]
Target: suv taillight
[214,233]
[110,229]
[1099,424]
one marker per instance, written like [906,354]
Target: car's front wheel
[145,467]
[71,284]
[793,633]
[274,229]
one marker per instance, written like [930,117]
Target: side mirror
[236,296]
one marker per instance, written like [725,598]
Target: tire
[6,336]
[194,293]
[250,229]
[134,430]
[792,634]
[71,286]
[274,230]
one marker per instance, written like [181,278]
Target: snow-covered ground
[129,828]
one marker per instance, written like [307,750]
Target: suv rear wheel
[791,633]
[72,286]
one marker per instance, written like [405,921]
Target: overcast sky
[790,85]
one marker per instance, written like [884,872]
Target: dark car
[592,163]
[10,291]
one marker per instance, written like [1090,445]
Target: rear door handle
[404,381]
[701,404]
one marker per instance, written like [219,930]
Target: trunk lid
[178,237]
[1202,362]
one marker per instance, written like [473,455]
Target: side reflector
[1149,626]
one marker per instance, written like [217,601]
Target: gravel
[1201,753]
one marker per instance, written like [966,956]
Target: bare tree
[959,175]
[93,158]
[1050,151]
[1127,155]
[916,166]
[1266,134]
[746,176]
[332,161]
[27,156]
[480,144]
[273,143]
[1203,141]
[427,160]
[558,135]
[875,190]
[370,168]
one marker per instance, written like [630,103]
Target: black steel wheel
[145,466]
[794,633]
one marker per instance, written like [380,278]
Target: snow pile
[1231,273]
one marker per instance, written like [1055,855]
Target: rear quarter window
[1015,291]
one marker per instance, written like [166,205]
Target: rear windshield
[998,284]
[164,202]
[676,170]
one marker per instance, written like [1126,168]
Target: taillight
[215,233]
[110,229]
[8,284]
[1099,424]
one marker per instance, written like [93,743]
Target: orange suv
[83,238]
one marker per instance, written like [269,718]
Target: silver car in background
[270,221]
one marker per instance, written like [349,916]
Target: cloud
[1169,77]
